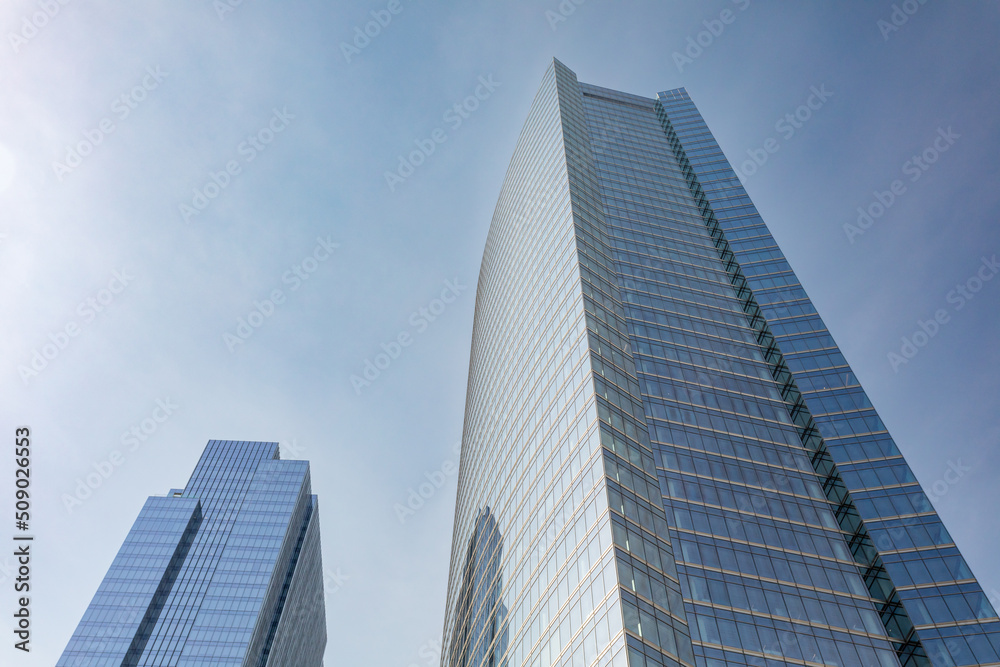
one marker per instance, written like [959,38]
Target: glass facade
[226,571]
[681,463]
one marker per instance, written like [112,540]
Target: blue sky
[200,90]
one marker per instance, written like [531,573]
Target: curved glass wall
[543,430]
[665,459]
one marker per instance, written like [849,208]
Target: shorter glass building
[226,571]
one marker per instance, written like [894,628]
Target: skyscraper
[226,571]
[661,433]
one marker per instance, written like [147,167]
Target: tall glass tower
[226,571]
[662,435]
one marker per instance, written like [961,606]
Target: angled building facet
[666,460]
[226,571]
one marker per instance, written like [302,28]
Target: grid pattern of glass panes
[217,593]
[299,624]
[642,481]
[116,625]
[531,445]
[954,620]
[654,617]
[481,620]
[766,571]
[900,630]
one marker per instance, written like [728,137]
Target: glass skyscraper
[666,460]
[226,571]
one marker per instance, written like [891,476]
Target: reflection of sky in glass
[324,175]
[226,571]
[773,555]
[481,612]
